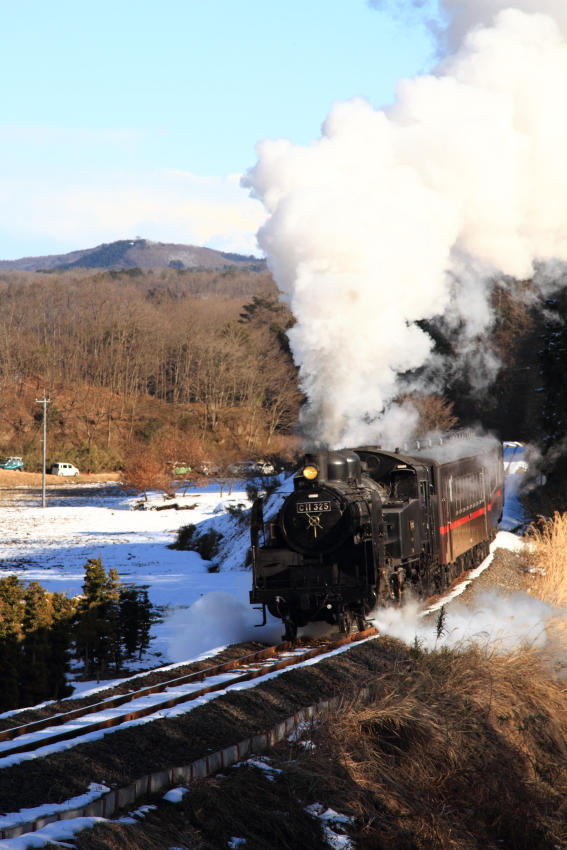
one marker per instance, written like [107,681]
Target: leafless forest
[157,359]
[185,365]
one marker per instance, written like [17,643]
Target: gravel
[125,755]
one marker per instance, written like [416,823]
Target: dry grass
[10,478]
[467,752]
[455,749]
[547,545]
[546,560]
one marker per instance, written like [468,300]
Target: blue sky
[129,118]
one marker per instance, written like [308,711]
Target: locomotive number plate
[313,507]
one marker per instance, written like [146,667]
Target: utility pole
[45,401]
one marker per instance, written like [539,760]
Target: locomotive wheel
[290,631]
[360,622]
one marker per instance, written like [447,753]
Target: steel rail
[290,661]
[112,702]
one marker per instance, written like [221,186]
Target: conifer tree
[111,647]
[146,618]
[129,619]
[137,614]
[553,362]
[36,624]
[11,599]
[98,630]
[61,636]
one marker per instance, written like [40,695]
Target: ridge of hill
[137,253]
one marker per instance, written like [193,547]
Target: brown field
[10,478]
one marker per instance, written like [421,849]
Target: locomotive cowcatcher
[365,528]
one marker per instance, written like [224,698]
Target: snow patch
[176,794]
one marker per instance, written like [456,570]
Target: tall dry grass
[546,560]
[547,547]
[454,749]
[468,751]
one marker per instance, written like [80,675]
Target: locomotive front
[319,559]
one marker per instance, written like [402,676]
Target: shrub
[239,513]
[206,543]
[184,537]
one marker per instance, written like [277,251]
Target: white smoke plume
[407,213]
[451,20]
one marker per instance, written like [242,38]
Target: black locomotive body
[363,527]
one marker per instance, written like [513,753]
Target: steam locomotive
[365,527]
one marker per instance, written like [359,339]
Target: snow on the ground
[204,610]
[515,468]
[58,832]
[52,545]
[96,790]
[176,711]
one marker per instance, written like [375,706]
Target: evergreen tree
[553,364]
[111,620]
[146,618]
[110,651]
[37,622]
[11,603]
[97,635]
[61,636]
[137,614]
[129,619]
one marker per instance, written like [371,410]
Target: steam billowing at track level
[415,213]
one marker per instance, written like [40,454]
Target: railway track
[148,701]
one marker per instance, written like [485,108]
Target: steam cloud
[493,619]
[411,212]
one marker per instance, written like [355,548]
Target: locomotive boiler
[365,527]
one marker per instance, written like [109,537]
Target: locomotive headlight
[310,472]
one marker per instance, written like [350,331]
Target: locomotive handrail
[429,443]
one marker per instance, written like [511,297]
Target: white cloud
[87,208]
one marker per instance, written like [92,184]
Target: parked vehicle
[181,469]
[13,463]
[263,467]
[207,467]
[250,468]
[64,469]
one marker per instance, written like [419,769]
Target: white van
[64,469]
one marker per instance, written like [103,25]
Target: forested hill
[136,253]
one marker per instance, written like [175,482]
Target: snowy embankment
[52,545]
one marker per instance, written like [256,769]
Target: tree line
[111,348]
[41,632]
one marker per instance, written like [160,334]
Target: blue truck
[13,463]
